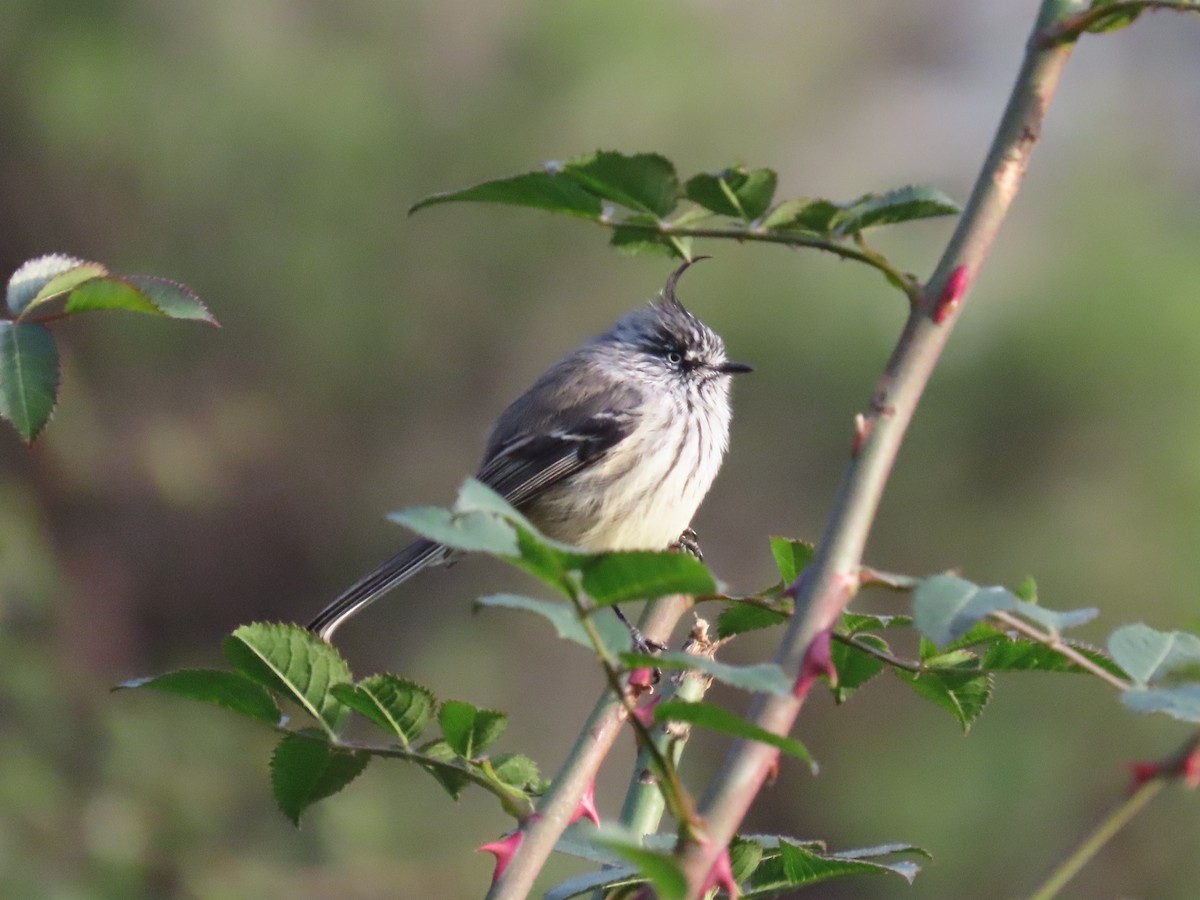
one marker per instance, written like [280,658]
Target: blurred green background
[195,479]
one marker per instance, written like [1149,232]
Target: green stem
[1171,768]
[1055,642]
[832,578]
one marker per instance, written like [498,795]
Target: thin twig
[898,662]
[1171,768]
[1054,641]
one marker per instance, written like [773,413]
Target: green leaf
[109,293]
[744,857]
[643,575]
[305,769]
[854,623]
[945,607]
[791,557]
[738,617]
[733,192]
[793,865]
[716,718]
[1148,655]
[855,667]
[1113,21]
[231,690]
[613,875]
[659,867]
[518,771]
[1180,702]
[1055,621]
[803,214]
[902,205]
[963,693]
[450,776]
[552,191]
[395,704]
[469,730]
[28,377]
[295,663]
[475,531]
[47,277]
[565,621]
[645,182]
[173,299]
[633,241]
[760,678]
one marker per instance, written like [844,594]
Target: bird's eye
[674,357]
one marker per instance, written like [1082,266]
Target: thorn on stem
[503,849]
[862,431]
[817,662]
[587,806]
[952,294]
[721,875]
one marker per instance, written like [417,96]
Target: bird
[614,447]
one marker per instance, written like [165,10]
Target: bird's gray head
[665,341]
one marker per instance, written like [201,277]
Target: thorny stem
[1171,768]
[578,771]
[1055,642]
[833,577]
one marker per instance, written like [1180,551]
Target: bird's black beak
[734,368]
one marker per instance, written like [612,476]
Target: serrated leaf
[854,623]
[31,277]
[307,769]
[295,663]
[232,690]
[450,776]
[1180,702]
[109,293]
[632,241]
[791,557]
[1148,655]
[904,204]
[552,191]
[470,730]
[717,718]
[28,377]
[1056,621]
[737,618]
[1008,654]
[945,607]
[645,182]
[733,192]
[659,867]
[761,678]
[964,694]
[565,621]
[517,771]
[173,299]
[643,575]
[744,857]
[793,865]
[395,704]
[805,214]
[855,667]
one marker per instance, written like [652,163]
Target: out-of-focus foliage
[266,153]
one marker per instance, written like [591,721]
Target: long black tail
[392,571]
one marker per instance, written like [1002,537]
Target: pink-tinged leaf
[952,294]
[503,849]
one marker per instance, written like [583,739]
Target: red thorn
[504,850]
[952,294]
[1190,770]
[862,431]
[817,662]
[587,806]
[1143,772]
[641,681]
[721,875]
[645,714]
